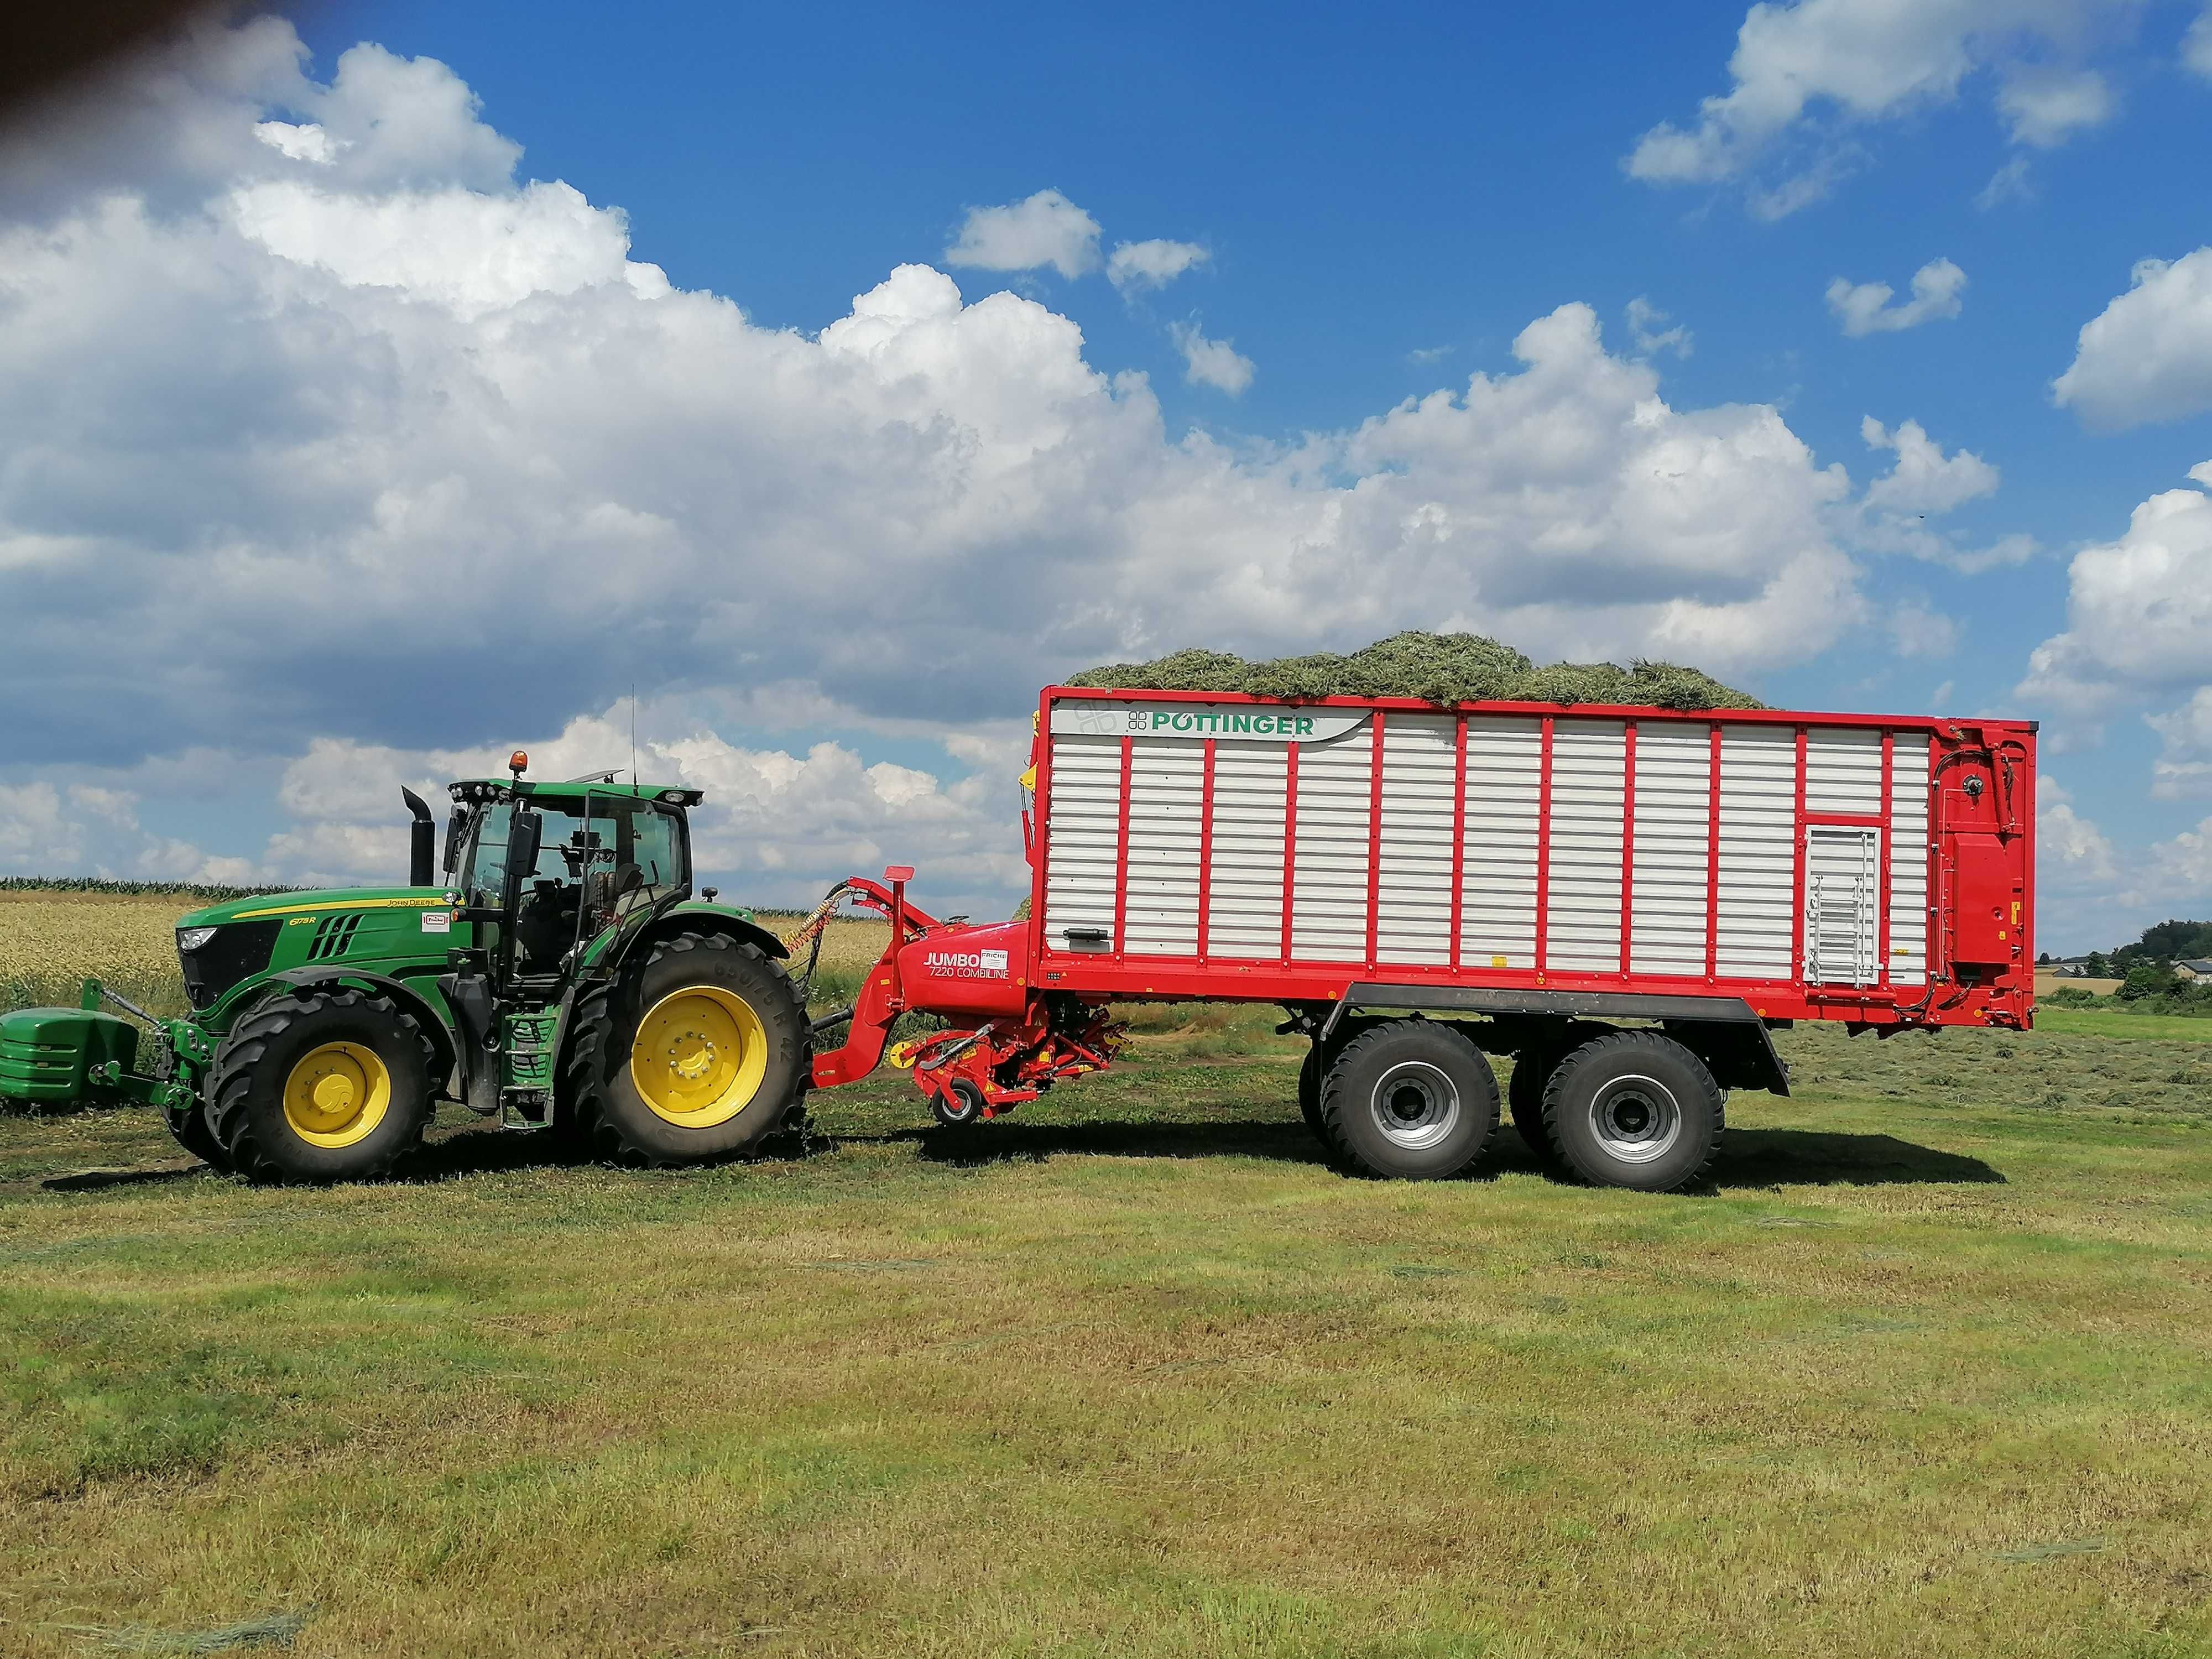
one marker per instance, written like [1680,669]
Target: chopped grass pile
[1439,668]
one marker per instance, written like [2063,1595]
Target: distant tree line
[2146,969]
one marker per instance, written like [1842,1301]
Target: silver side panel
[1674,818]
[1413,896]
[1498,886]
[1167,782]
[1328,908]
[1587,769]
[1084,830]
[1245,910]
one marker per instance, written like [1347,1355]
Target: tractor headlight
[191,938]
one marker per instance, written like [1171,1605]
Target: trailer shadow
[1749,1158]
[1820,1158]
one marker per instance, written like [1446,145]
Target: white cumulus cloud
[1134,267]
[2138,613]
[1645,320]
[2196,45]
[2044,108]
[1043,229]
[2184,766]
[1865,308]
[1216,363]
[1923,479]
[2072,853]
[2148,356]
[1803,76]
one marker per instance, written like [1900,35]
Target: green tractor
[560,976]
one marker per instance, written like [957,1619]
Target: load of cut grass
[1439,668]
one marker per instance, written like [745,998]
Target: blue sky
[339,591]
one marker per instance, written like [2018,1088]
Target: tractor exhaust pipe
[422,868]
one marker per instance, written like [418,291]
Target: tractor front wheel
[699,1052]
[331,1085]
[189,1124]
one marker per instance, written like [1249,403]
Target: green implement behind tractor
[553,971]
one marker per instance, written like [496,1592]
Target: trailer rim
[1637,1119]
[1414,1105]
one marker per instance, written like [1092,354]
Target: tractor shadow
[473,1151]
[94,1181]
[1018,1142]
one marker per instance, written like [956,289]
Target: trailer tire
[743,1077]
[1409,1100]
[1524,1092]
[332,1086]
[1634,1109]
[1309,1093]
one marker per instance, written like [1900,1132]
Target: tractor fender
[701,919]
[434,1024]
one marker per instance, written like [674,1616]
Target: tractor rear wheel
[330,1085]
[699,1052]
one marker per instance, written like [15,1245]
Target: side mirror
[524,836]
[454,825]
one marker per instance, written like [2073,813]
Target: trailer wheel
[1635,1109]
[699,1052]
[1309,1092]
[1524,1092]
[332,1086]
[1409,1099]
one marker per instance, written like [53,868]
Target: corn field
[51,941]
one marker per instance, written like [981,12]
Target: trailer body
[1873,869]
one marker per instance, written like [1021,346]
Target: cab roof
[495,789]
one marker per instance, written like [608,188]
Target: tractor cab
[566,862]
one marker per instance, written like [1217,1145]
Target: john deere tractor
[553,971]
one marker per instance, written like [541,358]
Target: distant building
[2198,969]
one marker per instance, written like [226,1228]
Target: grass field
[1923,1370]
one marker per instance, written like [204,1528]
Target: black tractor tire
[967,1106]
[189,1126]
[602,1105]
[1524,1093]
[246,1087]
[1634,1109]
[1410,1100]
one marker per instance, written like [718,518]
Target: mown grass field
[1923,1370]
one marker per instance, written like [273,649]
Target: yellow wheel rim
[699,1056]
[338,1094]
